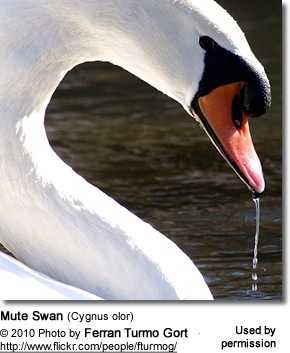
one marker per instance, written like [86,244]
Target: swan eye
[207,43]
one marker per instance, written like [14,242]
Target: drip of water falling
[255,258]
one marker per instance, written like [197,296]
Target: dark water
[140,147]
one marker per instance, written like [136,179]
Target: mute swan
[51,219]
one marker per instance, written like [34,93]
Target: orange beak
[221,115]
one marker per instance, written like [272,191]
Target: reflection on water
[141,148]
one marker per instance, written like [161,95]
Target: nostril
[237,115]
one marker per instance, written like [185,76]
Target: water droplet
[254,287]
[255,262]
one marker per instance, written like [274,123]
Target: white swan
[51,219]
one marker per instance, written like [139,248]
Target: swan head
[232,89]
[195,52]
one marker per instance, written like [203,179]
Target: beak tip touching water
[256,184]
